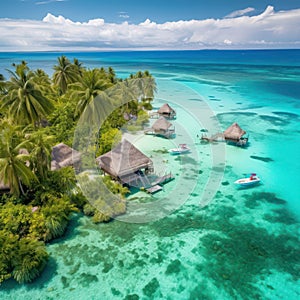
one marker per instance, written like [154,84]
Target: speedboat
[182,148]
[248,181]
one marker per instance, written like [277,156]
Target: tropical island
[39,114]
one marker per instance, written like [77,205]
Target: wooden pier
[148,183]
[154,189]
[214,138]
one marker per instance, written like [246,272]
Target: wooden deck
[154,189]
[214,138]
[164,179]
[219,137]
[167,134]
[150,184]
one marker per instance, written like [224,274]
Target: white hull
[179,150]
[247,181]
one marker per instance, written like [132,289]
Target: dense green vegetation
[36,113]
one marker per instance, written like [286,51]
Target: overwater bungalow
[167,111]
[125,163]
[161,127]
[62,156]
[235,134]
[128,165]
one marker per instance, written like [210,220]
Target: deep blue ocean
[220,242]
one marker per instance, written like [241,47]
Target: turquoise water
[219,242]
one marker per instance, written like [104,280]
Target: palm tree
[14,167]
[2,84]
[42,78]
[40,152]
[149,88]
[85,91]
[65,73]
[146,84]
[126,92]
[3,92]
[78,66]
[111,75]
[24,99]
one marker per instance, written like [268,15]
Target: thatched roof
[161,124]
[124,159]
[234,132]
[63,155]
[166,109]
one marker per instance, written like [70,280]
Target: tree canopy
[38,111]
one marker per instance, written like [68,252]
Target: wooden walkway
[143,181]
[167,134]
[220,137]
[214,138]
[157,185]
[164,179]
[154,189]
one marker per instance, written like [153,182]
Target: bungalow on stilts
[128,165]
[161,127]
[233,134]
[167,111]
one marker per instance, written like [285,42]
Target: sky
[60,25]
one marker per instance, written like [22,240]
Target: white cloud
[241,12]
[49,1]
[123,15]
[227,42]
[269,29]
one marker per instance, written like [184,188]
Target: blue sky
[153,24]
[135,11]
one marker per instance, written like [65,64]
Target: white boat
[182,148]
[248,181]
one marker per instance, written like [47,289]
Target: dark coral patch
[194,194]
[225,183]
[236,115]
[246,252]
[265,159]
[85,279]
[271,130]
[65,282]
[132,297]
[195,99]
[287,115]
[254,199]
[276,121]
[174,267]
[282,216]
[151,287]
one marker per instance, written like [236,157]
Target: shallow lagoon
[220,242]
